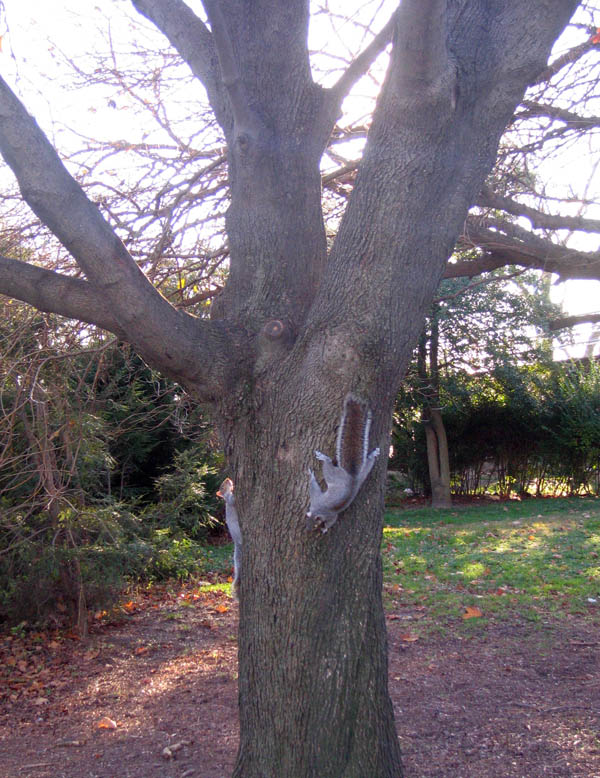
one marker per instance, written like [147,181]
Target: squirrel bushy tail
[353,435]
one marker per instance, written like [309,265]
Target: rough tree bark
[296,329]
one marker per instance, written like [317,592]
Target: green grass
[534,560]
[219,559]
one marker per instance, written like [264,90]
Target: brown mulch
[518,700]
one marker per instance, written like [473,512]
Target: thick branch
[572,120]
[423,55]
[565,59]
[245,119]
[197,353]
[362,63]
[55,293]
[522,249]
[450,90]
[194,42]
[469,268]
[475,284]
[571,321]
[58,200]
[490,199]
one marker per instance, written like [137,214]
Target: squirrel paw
[322,457]
[323,523]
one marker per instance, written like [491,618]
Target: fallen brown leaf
[106,723]
[409,637]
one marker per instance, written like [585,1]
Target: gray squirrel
[353,466]
[233,525]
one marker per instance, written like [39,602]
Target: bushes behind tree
[526,430]
[107,476]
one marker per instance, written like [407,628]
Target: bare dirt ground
[517,700]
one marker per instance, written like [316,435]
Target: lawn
[534,560]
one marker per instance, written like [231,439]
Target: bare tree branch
[208,294]
[58,200]
[350,167]
[194,42]
[521,248]
[245,119]
[186,348]
[55,293]
[565,59]
[571,321]
[362,63]
[490,199]
[572,120]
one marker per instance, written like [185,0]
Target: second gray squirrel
[353,466]
[233,525]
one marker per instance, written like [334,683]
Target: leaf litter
[506,699]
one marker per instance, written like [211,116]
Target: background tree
[428,369]
[297,327]
[475,329]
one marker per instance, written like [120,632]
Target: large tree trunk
[312,642]
[296,330]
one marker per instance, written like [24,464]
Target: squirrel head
[226,489]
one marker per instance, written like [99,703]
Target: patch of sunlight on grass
[402,532]
[392,532]
[511,566]
[472,570]
[215,587]
[541,527]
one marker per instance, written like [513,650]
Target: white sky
[30,64]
